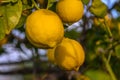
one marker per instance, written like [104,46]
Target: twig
[108,67]
[35,4]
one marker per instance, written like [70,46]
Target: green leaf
[21,21]
[50,3]
[85,1]
[8,1]
[53,7]
[98,8]
[10,15]
[97,75]
[117,50]
[73,34]
[25,1]
[27,5]
[2,29]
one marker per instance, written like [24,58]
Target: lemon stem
[109,57]
[108,67]
[107,28]
[107,60]
[35,4]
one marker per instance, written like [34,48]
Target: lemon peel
[69,54]
[44,29]
[70,11]
[50,55]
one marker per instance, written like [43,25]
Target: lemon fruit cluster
[68,55]
[44,28]
[70,11]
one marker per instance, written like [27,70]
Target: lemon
[50,55]
[44,29]
[70,11]
[69,54]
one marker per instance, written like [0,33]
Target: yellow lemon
[44,28]
[70,11]
[69,54]
[50,55]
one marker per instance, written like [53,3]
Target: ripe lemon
[70,11]
[44,28]
[69,54]
[50,55]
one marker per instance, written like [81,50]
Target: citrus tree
[80,37]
